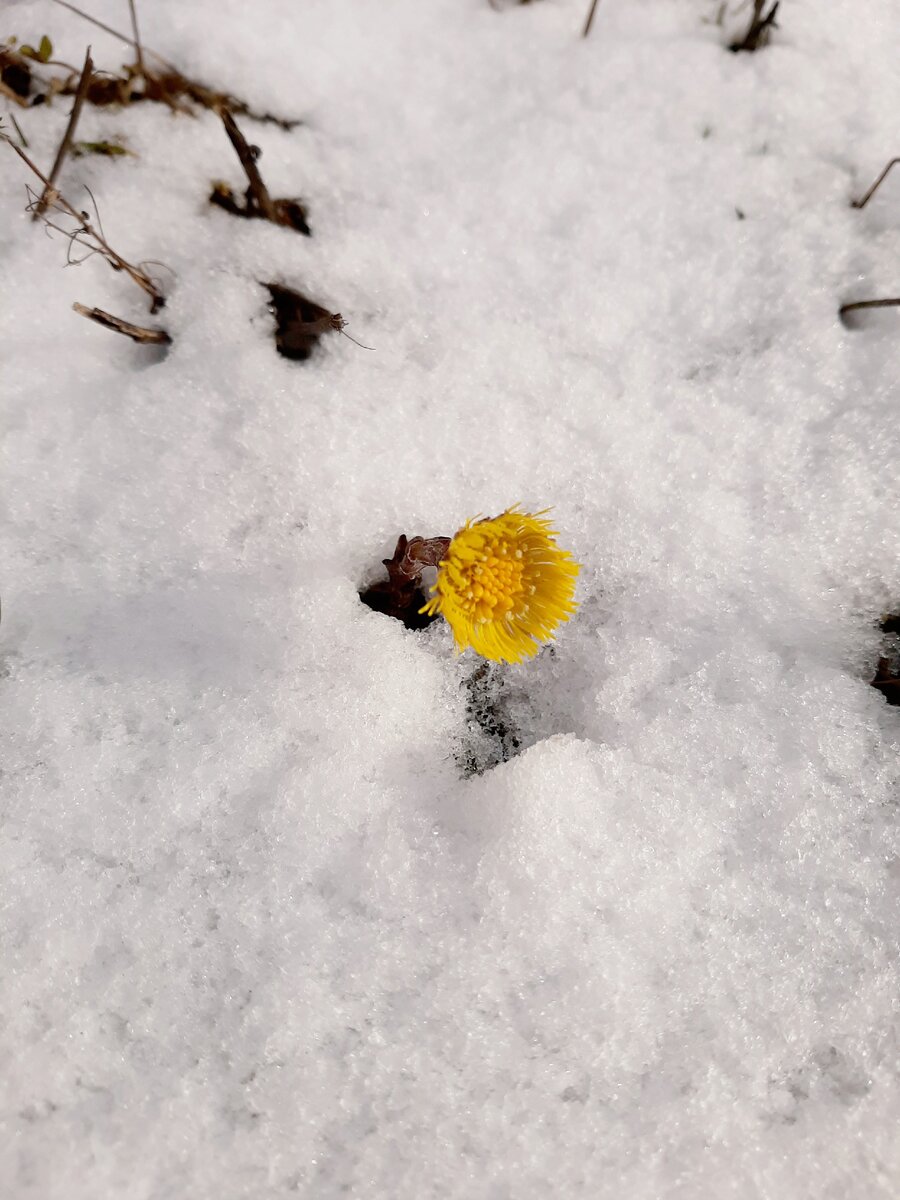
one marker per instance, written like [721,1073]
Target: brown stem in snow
[65,145]
[116,261]
[137,333]
[258,189]
[857,304]
[864,200]
[22,138]
[114,33]
[758,32]
[169,85]
[590,18]
[401,595]
[137,37]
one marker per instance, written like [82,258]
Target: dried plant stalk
[893,302]
[66,144]
[590,18]
[85,229]
[758,31]
[137,333]
[864,200]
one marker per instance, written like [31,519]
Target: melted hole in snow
[887,672]
[491,736]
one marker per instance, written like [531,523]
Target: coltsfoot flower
[504,585]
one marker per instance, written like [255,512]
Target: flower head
[504,585]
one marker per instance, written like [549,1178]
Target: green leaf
[107,149]
[43,52]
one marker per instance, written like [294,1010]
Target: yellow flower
[504,585]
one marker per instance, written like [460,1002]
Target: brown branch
[22,138]
[590,18]
[258,189]
[65,145]
[115,260]
[137,333]
[857,304]
[257,201]
[170,85]
[114,32]
[758,32]
[137,37]
[864,200]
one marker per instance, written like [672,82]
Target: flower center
[493,583]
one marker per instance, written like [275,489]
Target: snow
[266,928]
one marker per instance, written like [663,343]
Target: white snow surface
[264,931]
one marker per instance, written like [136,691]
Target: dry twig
[590,18]
[96,242]
[22,138]
[855,305]
[115,33]
[257,201]
[137,333]
[166,86]
[137,38]
[258,190]
[864,200]
[758,31]
[66,143]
